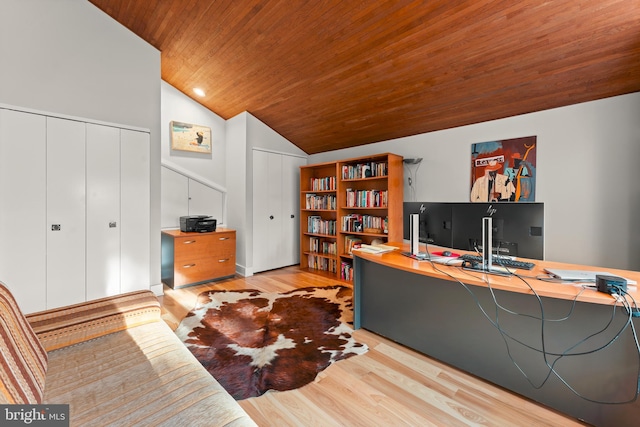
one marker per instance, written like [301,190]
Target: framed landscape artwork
[504,171]
[188,137]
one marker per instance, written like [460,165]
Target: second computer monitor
[518,228]
[434,222]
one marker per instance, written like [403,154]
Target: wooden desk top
[567,291]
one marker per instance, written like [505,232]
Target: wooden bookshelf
[346,202]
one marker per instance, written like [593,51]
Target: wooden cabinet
[194,258]
[357,200]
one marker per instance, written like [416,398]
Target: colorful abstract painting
[504,171]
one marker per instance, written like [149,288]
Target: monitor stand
[487,253]
[414,240]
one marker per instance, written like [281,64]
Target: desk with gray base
[409,302]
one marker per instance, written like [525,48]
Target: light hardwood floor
[390,385]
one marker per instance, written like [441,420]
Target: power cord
[568,351]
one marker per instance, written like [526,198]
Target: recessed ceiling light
[198,91]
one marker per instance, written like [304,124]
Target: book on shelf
[322,246]
[346,271]
[323,184]
[320,202]
[364,170]
[317,225]
[356,223]
[351,242]
[367,198]
[376,249]
[321,263]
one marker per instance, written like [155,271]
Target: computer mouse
[446,253]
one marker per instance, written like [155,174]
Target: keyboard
[501,261]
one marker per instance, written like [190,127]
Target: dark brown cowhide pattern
[252,342]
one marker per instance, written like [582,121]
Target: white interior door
[204,200]
[65,212]
[135,202]
[23,207]
[267,210]
[174,198]
[103,211]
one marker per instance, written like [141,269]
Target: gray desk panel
[443,319]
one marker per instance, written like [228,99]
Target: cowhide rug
[252,342]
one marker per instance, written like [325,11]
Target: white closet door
[103,211]
[23,207]
[291,209]
[268,243]
[135,211]
[65,212]
[204,200]
[174,198]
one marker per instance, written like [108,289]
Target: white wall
[587,156]
[236,140]
[176,106]
[68,57]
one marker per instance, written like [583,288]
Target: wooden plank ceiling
[339,73]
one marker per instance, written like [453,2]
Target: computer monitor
[435,222]
[518,228]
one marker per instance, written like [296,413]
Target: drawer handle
[223,238]
[223,260]
[188,265]
[186,242]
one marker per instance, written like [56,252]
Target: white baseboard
[157,289]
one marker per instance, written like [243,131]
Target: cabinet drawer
[202,270]
[204,246]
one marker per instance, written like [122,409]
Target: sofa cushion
[72,324]
[140,376]
[23,360]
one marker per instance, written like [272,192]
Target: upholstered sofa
[113,360]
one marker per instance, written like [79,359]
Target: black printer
[197,223]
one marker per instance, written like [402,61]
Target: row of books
[346,271]
[364,170]
[324,264]
[367,198]
[323,184]
[357,223]
[325,201]
[351,242]
[317,225]
[322,246]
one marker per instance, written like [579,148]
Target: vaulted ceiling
[330,74]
